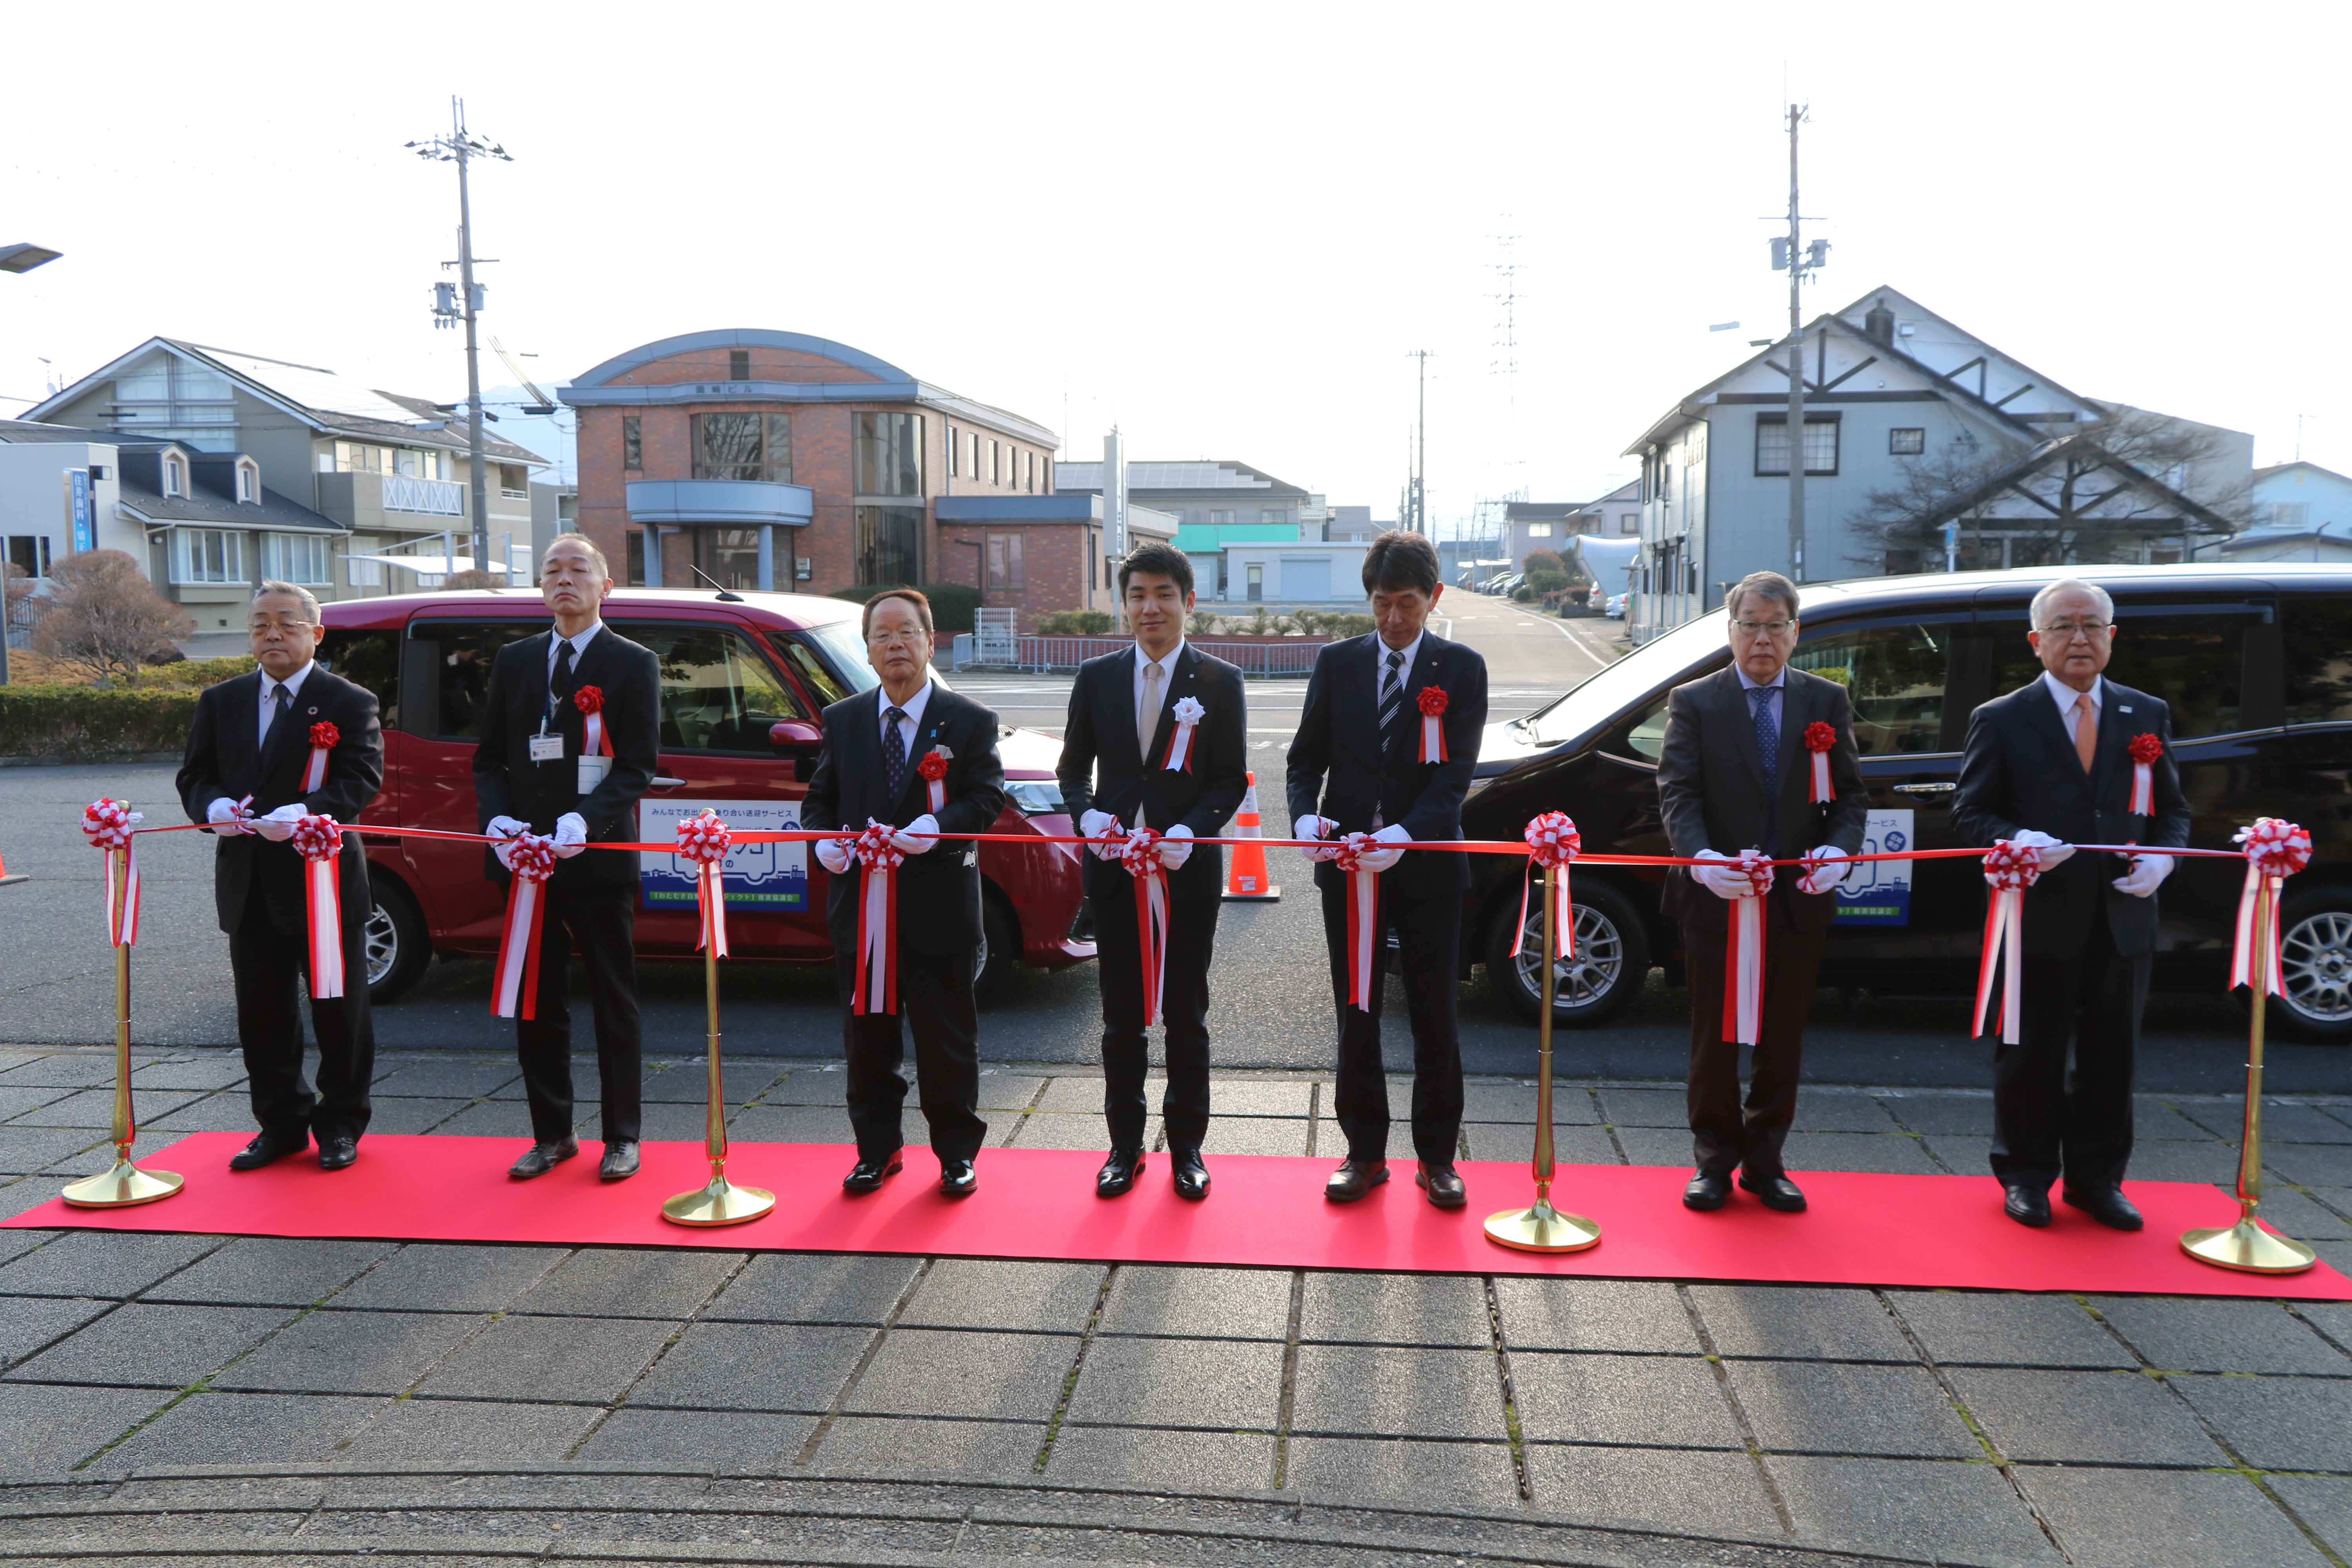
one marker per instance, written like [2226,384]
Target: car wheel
[2315,963]
[1611,964]
[1000,948]
[397,950]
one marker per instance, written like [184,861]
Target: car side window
[2318,660]
[718,694]
[369,658]
[1647,738]
[463,654]
[1896,675]
[2193,657]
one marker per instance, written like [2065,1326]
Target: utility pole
[460,147]
[1419,522]
[1789,253]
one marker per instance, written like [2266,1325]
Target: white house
[2302,513]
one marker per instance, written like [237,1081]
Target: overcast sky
[1221,227]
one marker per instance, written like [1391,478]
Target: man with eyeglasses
[2050,765]
[248,761]
[1734,775]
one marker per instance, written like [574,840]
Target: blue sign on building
[85,533]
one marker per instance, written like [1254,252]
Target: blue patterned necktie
[894,754]
[283,704]
[1391,700]
[1767,746]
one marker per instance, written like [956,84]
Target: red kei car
[745,681]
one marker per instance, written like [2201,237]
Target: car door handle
[1926,789]
[663,781]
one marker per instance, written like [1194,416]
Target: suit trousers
[1184,1008]
[1723,1135]
[602,921]
[269,969]
[1429,940]
[2047,1120]
[936,1001]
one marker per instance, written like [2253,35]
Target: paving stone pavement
[1682,1422]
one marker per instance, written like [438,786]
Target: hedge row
[93,722]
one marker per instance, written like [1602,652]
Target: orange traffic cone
[5,878]
[1247,880]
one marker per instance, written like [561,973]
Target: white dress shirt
[1382,650]
[293,684]
[1167,672]
[913,708]
[1775,686]
[2064,695]
[579,647]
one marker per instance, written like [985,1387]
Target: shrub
[1072,624]
[195,674]
[1357,625]
[106,617]
[1525,594]
[93,722]
[1204,623]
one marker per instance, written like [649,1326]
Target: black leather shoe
[1443,1183]
[1775,1192]
[1707,1192]
[265,1148]
[1192,1173]
[2026,1206]
[957,1179]
[620,1160]
[541,1157]
[868,1174]
[2109,1207]
[1354,1178]
[1118,1172]
[336,1153]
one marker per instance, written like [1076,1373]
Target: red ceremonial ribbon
[877,990]
[934,768]
[1743,959]
[1187,713]
[2009,868]
[703,839]
[107,824]
[2145,750]
[1363,916]
[324,738]
[1431,702]
[531,858]
[1140,853]
[1552,841]
[1820,738]
[319,841]
[2275,851]
[590,701]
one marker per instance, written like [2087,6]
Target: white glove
[229,810]
[2147,871]
[278,825]
[1175,846]
[918,837]
[507,827]
[570,834]
[1316,828]
[834,855]
[2053,850]
[1381,860]
[1830,865]
[1094,824]
[1725,882]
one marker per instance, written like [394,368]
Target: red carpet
[1264,1211]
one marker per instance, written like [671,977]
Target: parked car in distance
[1617,603]
[746,678]
[2255,663]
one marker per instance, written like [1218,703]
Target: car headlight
[1035,798]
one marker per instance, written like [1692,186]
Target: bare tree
[106,617]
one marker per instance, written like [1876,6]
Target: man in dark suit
[1734,775]
[248,757]
[1356,767]
[870,769]
[1157,737]
[2050,765]
[535,773]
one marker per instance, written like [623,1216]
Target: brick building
[768,459]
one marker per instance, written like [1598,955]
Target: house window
[303,558]
[633,442]
[739,365]
[974,467]
[1256,578]
[727,556]
[29,553]
[249,483]
[995,463]
[361,572]
[1772,445]
[890,459]
[2286,513]
[1900,442]
[1004,562]
[1538,531]
[1629,522]
[1274,517]
[1029,472]
[636,560]
[955,455]
[743,446]
[889,541]
[175,477]
[358,458]
[1221,520]
[207,555]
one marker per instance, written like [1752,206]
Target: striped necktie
[1391,701]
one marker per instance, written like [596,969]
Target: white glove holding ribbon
[1175,846]
[226,810]
[834,855]
[1826,867]
[278,825]
[570,834]
[919,836]
[1381,860]
[1102,827]
[2147,871]
[507,827]
[1725,882]
[2049,851]
[1316,827]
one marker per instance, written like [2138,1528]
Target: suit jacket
[2021,769]
[939,891]
[1100,740]
[507,783]
[225,758]
[1711,788]
[1334,759]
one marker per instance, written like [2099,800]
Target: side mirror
[790,736]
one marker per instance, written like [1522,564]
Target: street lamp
[25,257]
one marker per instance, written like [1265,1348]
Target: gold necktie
[1147,721]
[2086,730]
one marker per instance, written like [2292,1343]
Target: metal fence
[1292,656]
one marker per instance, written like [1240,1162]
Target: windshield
[845,650]
[1608,690]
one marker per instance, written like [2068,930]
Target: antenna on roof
[725,595]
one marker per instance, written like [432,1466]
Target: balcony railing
[404,493]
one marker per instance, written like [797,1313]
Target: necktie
[281,703]
[559,685]
[1391,700]
[2086,729]
[1147,713]
[894,754]
[1767,746]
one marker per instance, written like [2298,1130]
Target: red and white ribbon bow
[2146,747]
[2275,851]
[2009,868]
[703,839]
[1140,853]
[594,741]
[1820,738]
[1743,959]
[531,858]
[1188,712]
[1552,841]
[1363,916]
[107,824]
[877,990]
[934,768]
[319,841]
[1431,702]
[324,739]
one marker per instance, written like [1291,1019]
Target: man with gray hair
[289,740]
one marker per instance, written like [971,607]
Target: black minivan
[2255,661]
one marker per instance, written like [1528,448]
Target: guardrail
[1291,656]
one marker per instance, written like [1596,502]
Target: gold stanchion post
[1544,1228]
[2246,1245]
[125,1184]
[721,1202]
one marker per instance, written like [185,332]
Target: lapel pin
[2123,708]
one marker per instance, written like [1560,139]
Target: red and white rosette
[1140,853]
[1363,913]
[703,839]
[877,990]
[1743,959]
[1820,738]
[933,767]
[1552,841]
[1431,703]
[2146,747]
[2008,869]
[107,824]
[319,841]
[324,739]
[531,858]
[1188,713]
[594,741]
[2275,851]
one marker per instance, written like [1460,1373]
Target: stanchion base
[2248,1249]
[1543,1228]
[721,1202]
[122,1186]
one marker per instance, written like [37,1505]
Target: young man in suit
[249,756]
[1130,760]
[534,774]
[1356,766]
[2050,765]
[869,770]
[1734,775]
